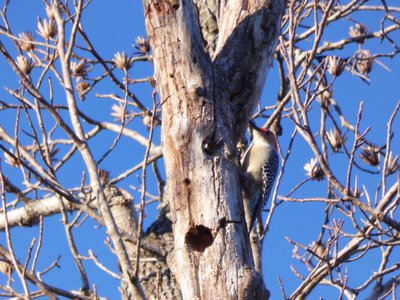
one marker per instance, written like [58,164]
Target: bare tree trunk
[208,92]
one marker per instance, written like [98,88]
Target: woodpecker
[260,166]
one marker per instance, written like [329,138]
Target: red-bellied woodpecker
[260,164]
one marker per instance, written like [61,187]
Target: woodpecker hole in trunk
[198,238]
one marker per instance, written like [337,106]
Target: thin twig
[142,197]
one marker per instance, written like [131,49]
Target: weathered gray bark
[206,103]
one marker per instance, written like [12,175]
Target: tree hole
[198,238]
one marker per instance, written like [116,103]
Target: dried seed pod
[26,65]
[370,156]
[47,29]
[336,139]
[122,61]
[142,45]
[104,176]
[314,170]
[358,32]
[27,43]
[82,87]
[336,65]
[5,267]
[364,61]
[119,112]
[147,120]
[79,69]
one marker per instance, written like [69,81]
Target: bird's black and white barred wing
[269,172]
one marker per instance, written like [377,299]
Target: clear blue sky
[113,27]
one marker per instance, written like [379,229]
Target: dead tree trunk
[211,59]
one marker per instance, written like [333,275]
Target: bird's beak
[253,125]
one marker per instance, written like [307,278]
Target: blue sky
[113,28]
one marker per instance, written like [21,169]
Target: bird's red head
[269,135]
